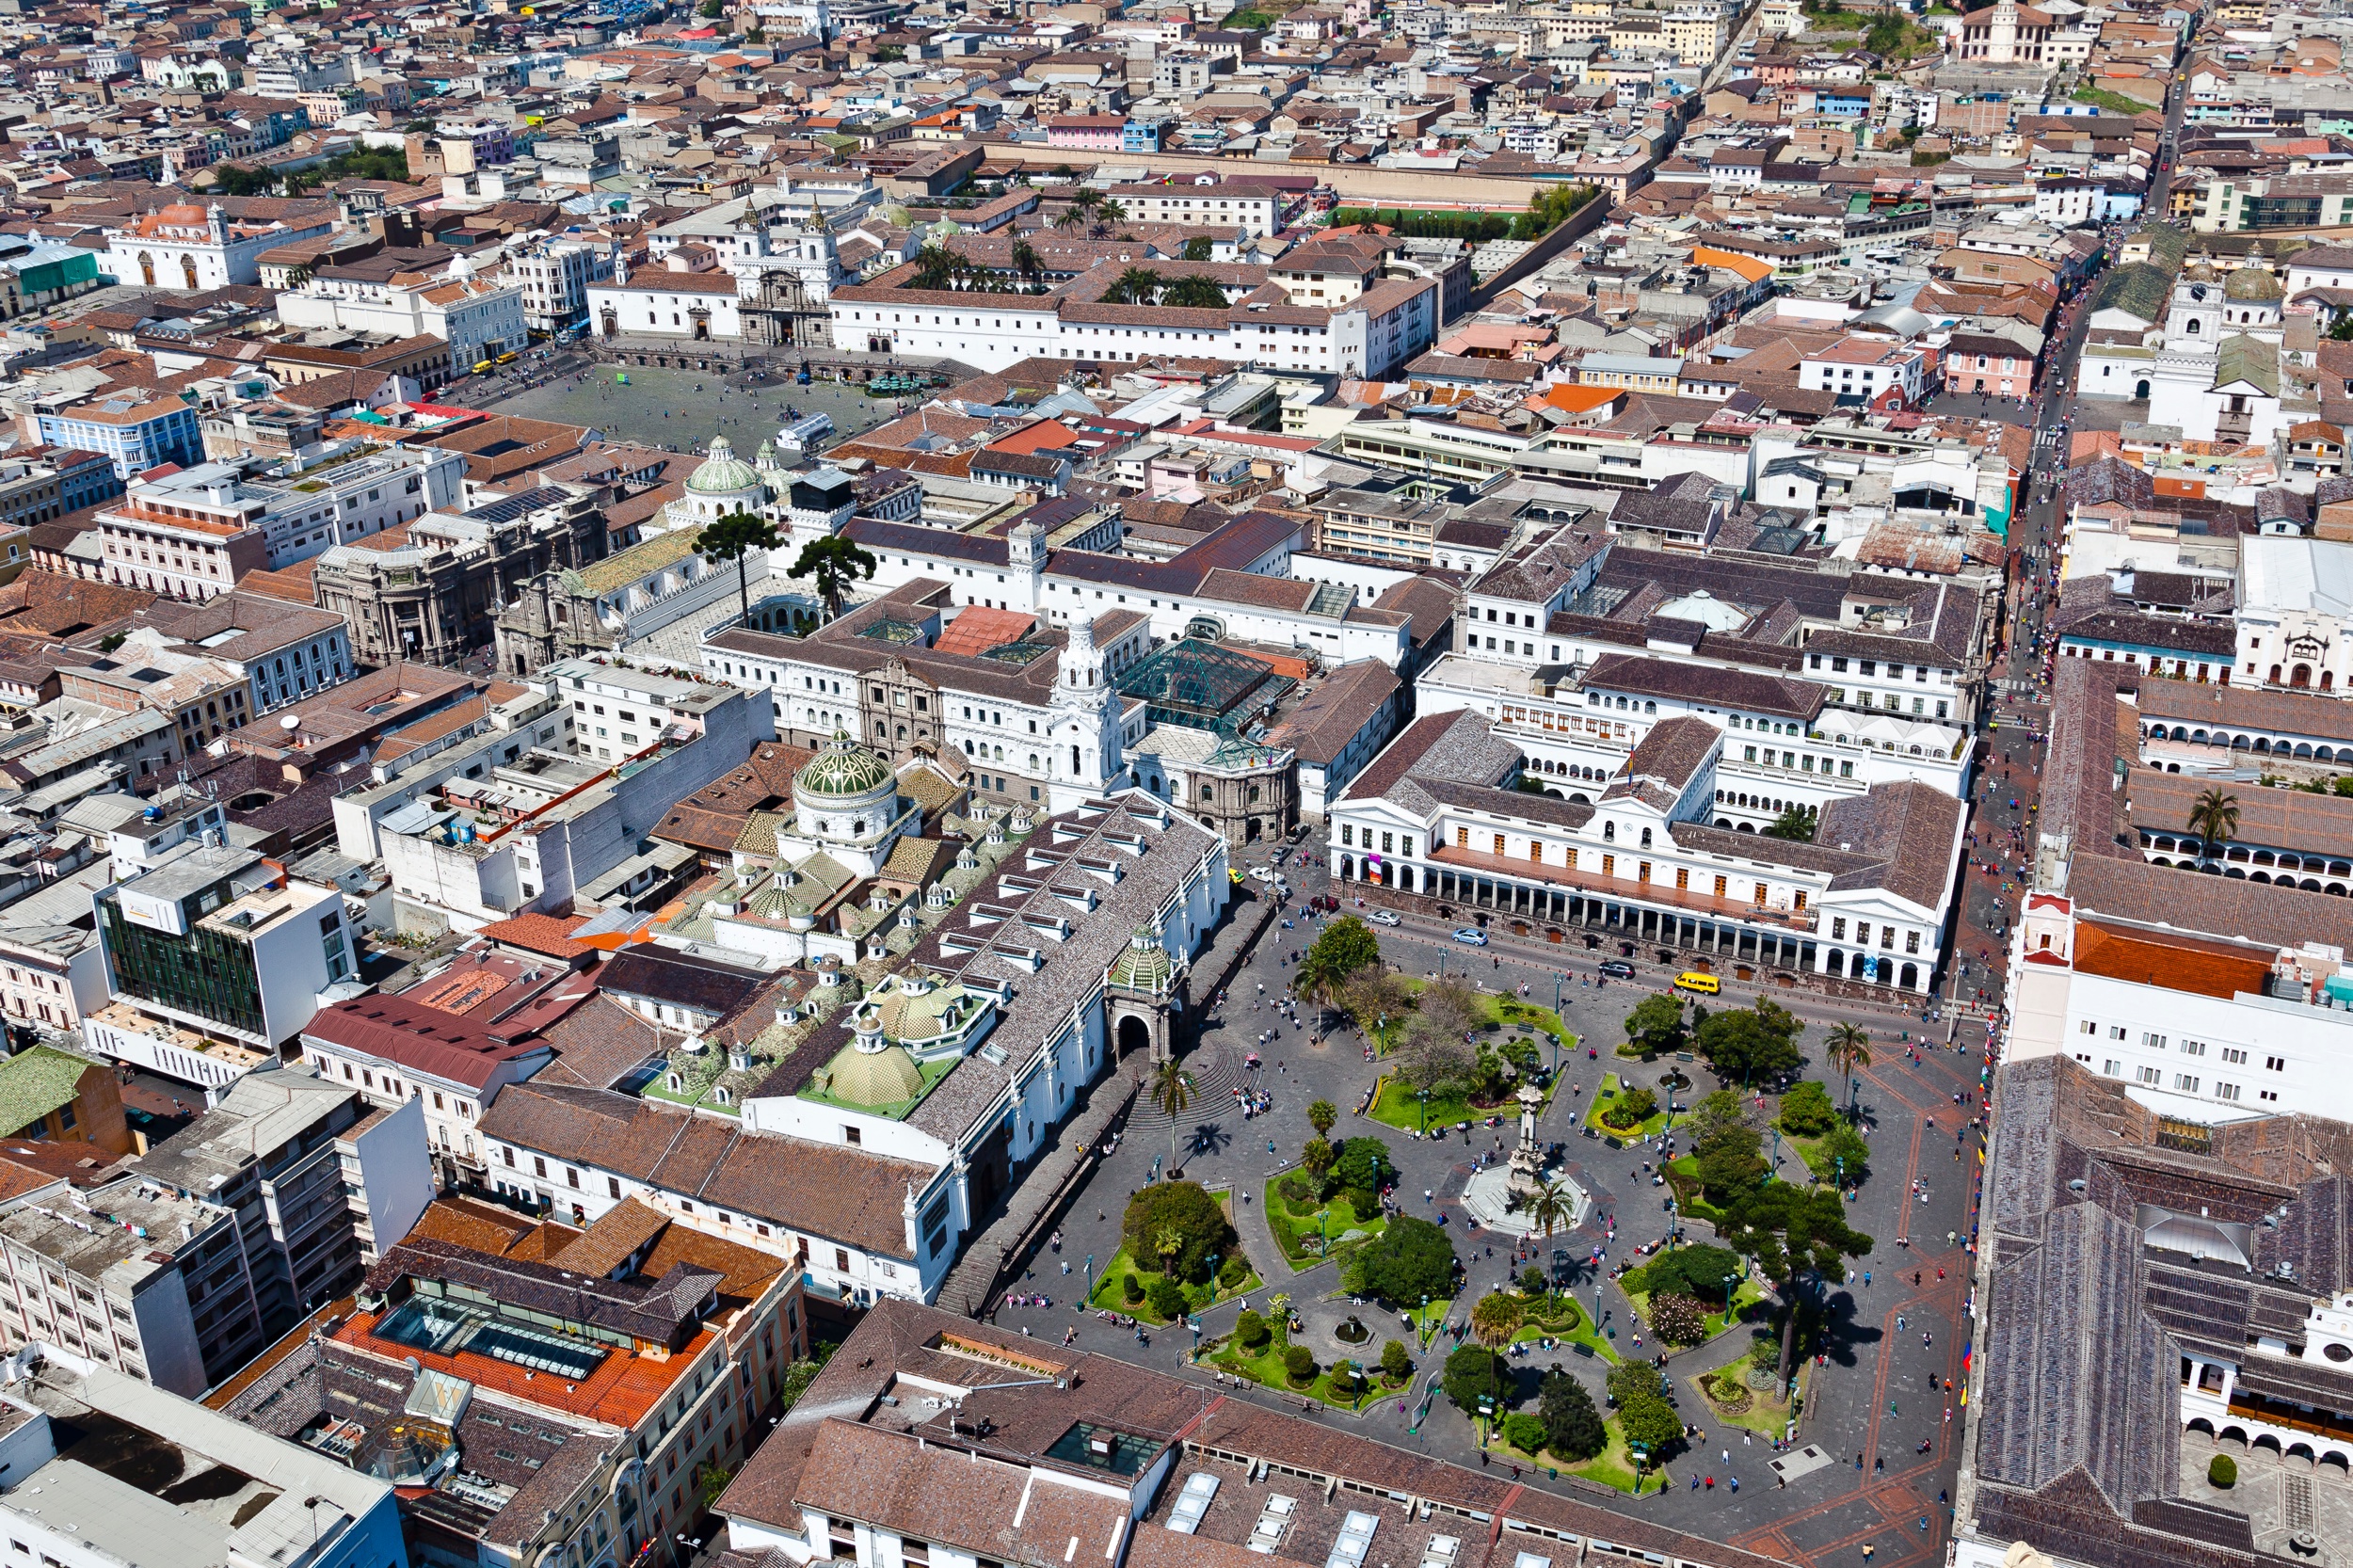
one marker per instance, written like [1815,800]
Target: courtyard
[1874,1400]
[680,410]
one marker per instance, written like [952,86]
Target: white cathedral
[2214,371]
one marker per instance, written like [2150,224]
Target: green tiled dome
[2252,283]
[844,768]
[871,1071]
[1146,966]
[723,472]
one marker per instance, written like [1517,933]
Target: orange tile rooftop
[620,1391]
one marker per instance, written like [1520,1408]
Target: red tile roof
[539,933]
[421,1039]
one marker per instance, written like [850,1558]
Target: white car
[1259,874]
[1382,917]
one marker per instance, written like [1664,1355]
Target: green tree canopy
[1472,1372]
[1746,1045]
[1729,1151]
[1796,823]
[1698,1270]
[1410,1259]
[1186,1207]
[1807,1110]
[1657,1023]
[733,537]
[834,562]
[1573,1424]
[1792,1229]
[1363,1163]
[1851,1156]
[1196,291]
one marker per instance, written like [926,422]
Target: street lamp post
[1089,1295]
[1424,1096]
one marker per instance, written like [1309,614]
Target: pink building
[1094,133]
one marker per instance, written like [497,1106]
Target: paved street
[1873,1363]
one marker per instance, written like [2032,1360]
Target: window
[538,1166]
[2190,1048]
[2091,1027]
[2153,1075]
[2226,1090]
[612,1186]
[2185,1084]
[2115,1031]
[2154,1041]
[2234,1056]
[2276,1064]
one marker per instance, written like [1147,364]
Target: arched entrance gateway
[1140,997]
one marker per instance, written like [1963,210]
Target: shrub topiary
[1524,1431]
[1251,1331]
[1299,1365]
[1168,1298]
[2222,1470]
[1131,1289]
[1189,1209]
[1397,1362]
[1233,1271]
[1296,1189]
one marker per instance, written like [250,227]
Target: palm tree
[835,563]
[1168,1241]
[2214,819]
[1848,1047]
[1194,291]
[1138,285]
[1172,1090]
[1496,1319]
[1109,209]
[1025,260]
[937,268]
[1320,1115]
[733,537]
[1549,1208]
[1069,217]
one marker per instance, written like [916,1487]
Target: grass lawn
[1683,1175]
[1398,1107]
[1265,1367]
[1568,1323]
[1611,1086]
[2116,102]
[1108,1293]
[1764,1415]
[1613,1466]
[1428,1319]
[1295,1229]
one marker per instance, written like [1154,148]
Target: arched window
[1646,837]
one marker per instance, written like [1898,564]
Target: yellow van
[1691,979]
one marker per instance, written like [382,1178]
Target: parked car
[1382,917]
[1618,969]
[1470,936]
[1259,874]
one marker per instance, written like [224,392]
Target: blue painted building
[134,436]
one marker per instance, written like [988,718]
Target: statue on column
[1527,1159]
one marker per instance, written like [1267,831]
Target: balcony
[1624,887]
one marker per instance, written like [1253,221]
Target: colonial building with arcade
[1443,822]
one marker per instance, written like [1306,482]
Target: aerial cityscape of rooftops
[984,783]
